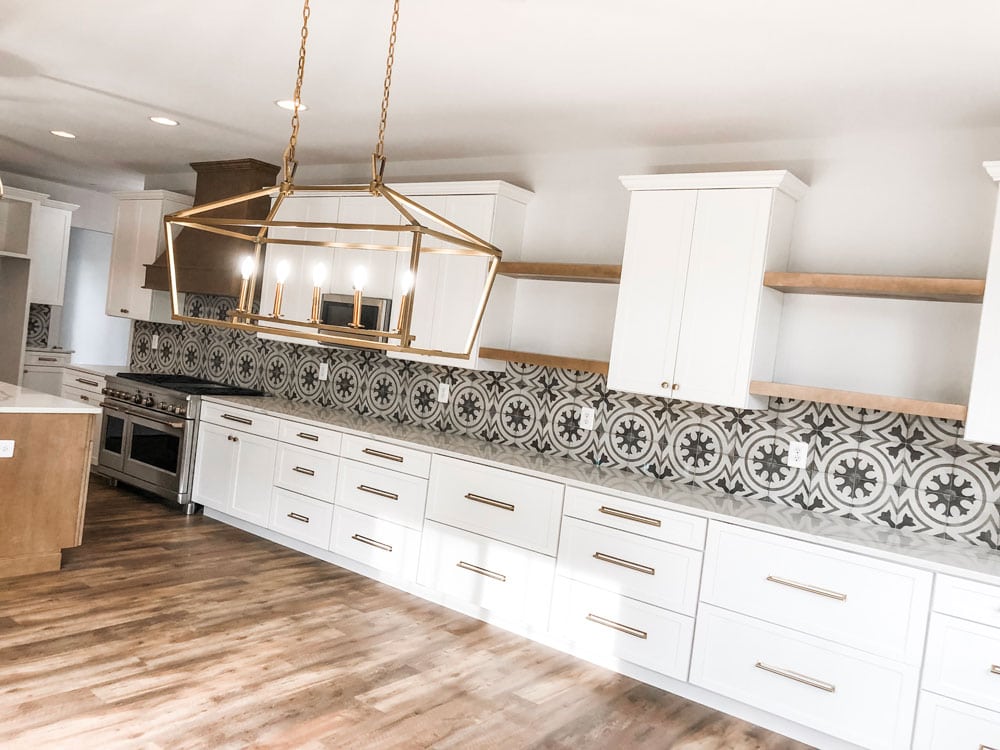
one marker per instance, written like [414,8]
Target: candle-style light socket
[279,290]
[244,305]
[356,322]
[317,293]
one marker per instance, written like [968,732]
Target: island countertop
[17,400]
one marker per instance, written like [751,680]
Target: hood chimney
[206,263]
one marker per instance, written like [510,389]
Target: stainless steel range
[149,430]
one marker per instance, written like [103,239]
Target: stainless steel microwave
[338,310]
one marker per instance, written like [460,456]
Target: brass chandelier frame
[418,221]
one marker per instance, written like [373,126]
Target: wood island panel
[43,489]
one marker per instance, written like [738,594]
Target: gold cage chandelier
[429,233]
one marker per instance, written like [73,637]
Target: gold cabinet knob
[665,385]
[674,387]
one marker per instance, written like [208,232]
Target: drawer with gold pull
[304,518]
[382,493]
[386,455]
[378,543]
[657,573]
[947,724]
[309,436]
[307,472]
[497,503]
[510,581]
[963,661]
[601,624]
[877,606]
[861,698]
[638,518]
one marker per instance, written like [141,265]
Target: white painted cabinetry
[138,240]
[78,385]
[693,319]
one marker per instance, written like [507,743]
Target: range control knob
[162,406]
[137,398]
[148,401]
[179,411]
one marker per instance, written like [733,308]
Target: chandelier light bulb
[281,272]
[319,274]
[406,284]
[360,278]
[247,268]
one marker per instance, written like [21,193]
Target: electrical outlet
[586,418]
[156,341]
[324,371]
[444,392]
[798,454]
[6,449]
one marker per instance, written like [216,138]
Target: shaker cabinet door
[724,276]
[651,296]
[253,478]
[215,467]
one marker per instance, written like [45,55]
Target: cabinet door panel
[252,478]
[724,277]
[380,265]
[215,467]
[48,247]
[648,318]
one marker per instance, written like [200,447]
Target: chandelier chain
[390,59]
[289,157]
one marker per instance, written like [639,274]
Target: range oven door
[155,451]
[111,453]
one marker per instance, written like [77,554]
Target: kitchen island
[45,444]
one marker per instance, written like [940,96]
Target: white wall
[96,338]
[97,210]
[908,203]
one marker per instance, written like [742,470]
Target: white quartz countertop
[903,546]
[102,370]
[17,400]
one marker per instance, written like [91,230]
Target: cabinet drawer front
[376,542]
[645,569]
[969,600]
[308,436]
[868,604]
[240,419]
[300,517]
[53,359]
[606,624]
[386,455]
[83,381]
[963,661]
[497,503]
[944,724]
[628,515]
[307,472]
[78,394]
[846,693]
[510,581]
[382,493]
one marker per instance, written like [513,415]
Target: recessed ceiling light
[290,105]
[164,121]
[62,133]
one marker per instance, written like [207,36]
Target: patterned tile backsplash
[884,468]
[39,319]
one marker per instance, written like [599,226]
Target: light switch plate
[586,418]
[444,392]
[6,449]
[798,454]
[156,341]
[324,371]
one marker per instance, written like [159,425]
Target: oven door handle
[172,425]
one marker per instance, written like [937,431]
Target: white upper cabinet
[34,225]
[982,424]
[694,320]
[138,240]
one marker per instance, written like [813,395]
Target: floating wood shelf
[587,272]
[546,360]
[889,287]
[860,400]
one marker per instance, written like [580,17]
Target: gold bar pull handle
[625,563]
[377,491]
[488,501]
[92,383]
[811,589]
[298,517]
[481,571]
[995,669]
[303,470]
[241,420]
[618,626]
[629,516]
[371,542]
[787,674]
[307,436]
[380,454]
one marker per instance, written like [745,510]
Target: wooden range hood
[207,263]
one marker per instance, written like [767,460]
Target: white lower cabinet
[602,624]
[846,693]
[382,493]
[306,471]
[945,724]
[378,543]
[304,518]
[512,582]
[963,661]
[234,472]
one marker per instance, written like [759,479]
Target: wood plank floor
[166,631]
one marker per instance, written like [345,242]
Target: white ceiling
[474,77]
